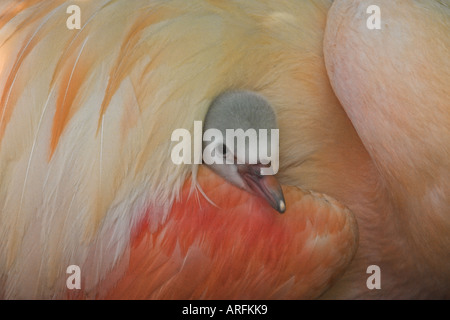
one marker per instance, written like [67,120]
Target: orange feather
[239,247]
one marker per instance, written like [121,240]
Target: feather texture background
[87,115]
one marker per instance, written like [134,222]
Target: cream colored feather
[86,118]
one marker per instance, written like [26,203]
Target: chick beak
[265,186]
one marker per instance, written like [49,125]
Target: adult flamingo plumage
[85,169]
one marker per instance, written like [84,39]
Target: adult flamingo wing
[86,117]
[233,246]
